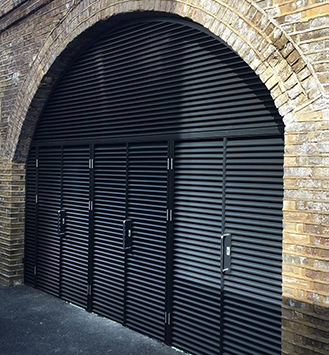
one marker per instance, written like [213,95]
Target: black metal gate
[154,190]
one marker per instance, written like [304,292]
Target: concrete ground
[35,323]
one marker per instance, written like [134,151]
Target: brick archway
[298,94]
[242,25]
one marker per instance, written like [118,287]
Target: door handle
[61,216]
[226,240]
[127,234]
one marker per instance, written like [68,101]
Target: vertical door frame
[222,296]
[91,226]
[61,236]
[35,270]
[170,241]
[125,275]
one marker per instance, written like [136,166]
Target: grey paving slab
[35,323]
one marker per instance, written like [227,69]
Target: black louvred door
[110,168]
[252,292]
[147,193]
[160,124]
[49,203]
[75,202]
[196,323]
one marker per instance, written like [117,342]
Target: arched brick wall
[243,25]
[275,38]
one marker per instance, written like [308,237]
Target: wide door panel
[197,247]
[146,264]
[109,213]
[49,203]
[76,240]
[254,192]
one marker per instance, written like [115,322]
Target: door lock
[127,234]
[226,240]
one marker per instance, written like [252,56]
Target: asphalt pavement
[35,323]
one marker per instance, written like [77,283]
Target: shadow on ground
[33,322]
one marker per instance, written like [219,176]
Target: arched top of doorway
[255,38]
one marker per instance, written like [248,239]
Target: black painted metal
[170,242]
[76,184]
[146,264]
[152,78]
[49,203]
[196,319]
[91,225]
[109,212]
[62,235]
[186,144]
[252,308]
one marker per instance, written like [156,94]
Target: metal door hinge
[91,163]
[167,318]
[91,205]
[35,270]
[88,290]
[169,215]
[36,163]
[170,164]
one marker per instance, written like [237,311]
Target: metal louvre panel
[30,219]
[49,203]
[197,230]
[109,213]
[156,78]
[178,91]
[146,261]
[254,193]
[75,242]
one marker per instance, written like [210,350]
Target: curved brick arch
[242,25]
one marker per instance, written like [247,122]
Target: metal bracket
[170,163]
[167,318]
